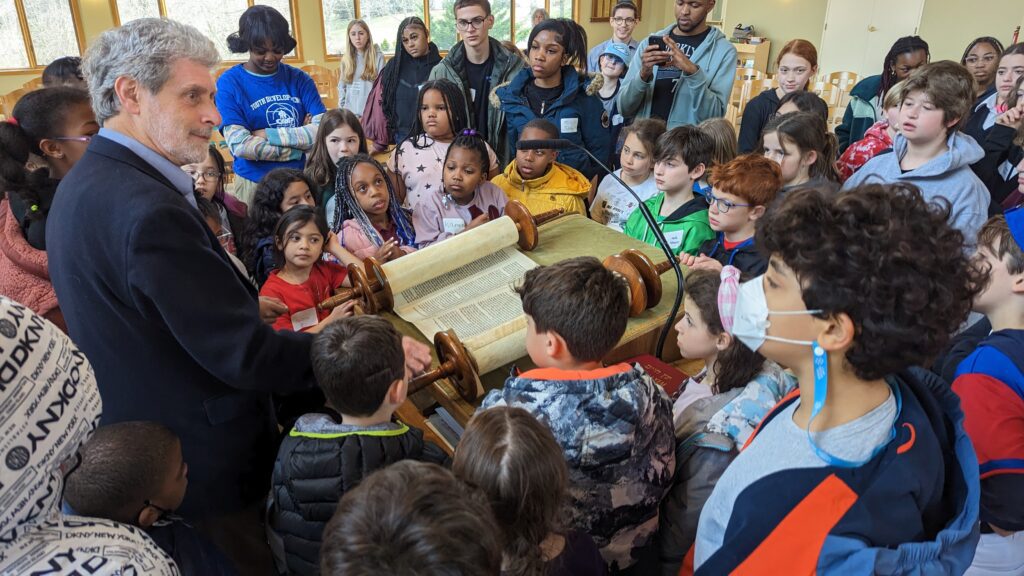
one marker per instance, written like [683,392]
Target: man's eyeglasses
[623,20]
[723,205]
[476,23]
[207,175]
[85,139]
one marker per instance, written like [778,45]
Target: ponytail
[38,115]
[808,132]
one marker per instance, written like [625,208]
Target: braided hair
[571,36]
[392,70]
[904,45]
[348,208]
[454,101]
[471,140]
[38,115]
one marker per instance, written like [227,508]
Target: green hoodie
[685,229]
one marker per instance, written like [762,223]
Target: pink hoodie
[24,276]
[355,241]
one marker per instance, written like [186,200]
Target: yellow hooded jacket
[561,187]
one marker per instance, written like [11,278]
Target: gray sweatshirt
[946,176]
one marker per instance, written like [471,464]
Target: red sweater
[323,279]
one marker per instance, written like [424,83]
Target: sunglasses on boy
[723,205]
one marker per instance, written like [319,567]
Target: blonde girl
[360,64]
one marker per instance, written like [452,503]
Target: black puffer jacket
[317,463]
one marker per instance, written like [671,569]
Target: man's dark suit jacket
[169,325]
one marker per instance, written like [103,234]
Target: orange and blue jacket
[912,509]
[990,383]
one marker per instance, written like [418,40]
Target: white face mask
[750,326]
[750,320]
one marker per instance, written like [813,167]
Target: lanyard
[821,393]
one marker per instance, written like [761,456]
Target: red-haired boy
[741,191]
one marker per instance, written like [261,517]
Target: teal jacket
[861,113]
[699,96]
[685,229]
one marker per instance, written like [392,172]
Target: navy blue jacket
[170,326]
[576,114]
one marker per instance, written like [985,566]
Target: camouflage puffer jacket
[615,426]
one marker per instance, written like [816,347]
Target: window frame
[26,38]
[357,5]
[292,8]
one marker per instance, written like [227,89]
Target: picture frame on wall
[601,10]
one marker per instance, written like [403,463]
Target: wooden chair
[33,84]
[7,101]
[845,81]
[748,74]
[745,93]
[326,81]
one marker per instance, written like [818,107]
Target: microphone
[561,143]
[552,144]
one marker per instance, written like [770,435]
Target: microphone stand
[662,243]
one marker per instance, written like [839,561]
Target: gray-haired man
[171,327]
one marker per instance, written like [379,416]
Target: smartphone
[658,41]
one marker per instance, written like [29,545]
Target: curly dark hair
[265,209]
[884,256]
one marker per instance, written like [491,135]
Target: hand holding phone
[653,55]
[655,40]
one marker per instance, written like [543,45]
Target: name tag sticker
[454,225]
[472,94]
[617,119]
[304,319]
[570,125]
[675,239]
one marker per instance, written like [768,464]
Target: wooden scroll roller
[642,275]
[374,284]
[455,363]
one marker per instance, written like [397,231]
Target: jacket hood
[867,88]
[559,178]
[684,213]
[512,93]
[714,35]
[602,394]
[879,131]
[963,151]
[50,406]
[456,58]
[734,415]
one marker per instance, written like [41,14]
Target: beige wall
[948,27]
[778,20]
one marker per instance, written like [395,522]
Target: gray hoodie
[946,176]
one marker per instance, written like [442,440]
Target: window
[216,19]
[33,33]
[512,19]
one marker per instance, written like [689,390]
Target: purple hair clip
[470,132]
